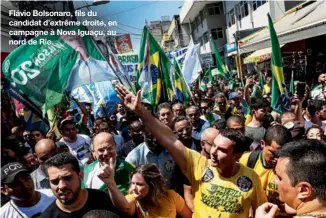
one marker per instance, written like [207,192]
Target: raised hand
[131,101]
[266,210]
[107,173]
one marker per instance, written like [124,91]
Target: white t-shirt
[95,182]
[80,148]
[11,210]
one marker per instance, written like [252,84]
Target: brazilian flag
[181,89]
[280,98]
[154,71]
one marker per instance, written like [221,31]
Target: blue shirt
[198,130]
[142,155]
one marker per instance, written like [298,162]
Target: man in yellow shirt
[300,177]
[222,108]
[222,187]
[263,162]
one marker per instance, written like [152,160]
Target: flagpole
[103,56]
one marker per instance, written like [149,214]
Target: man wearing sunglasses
[17,184]
[44,149]
[263,161]
[206,106]
[37,135]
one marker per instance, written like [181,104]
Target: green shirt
[121,177]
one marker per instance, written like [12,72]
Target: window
[243,9]
[217,33]
[231,18]
[257,4]
[213,9]
[205,37]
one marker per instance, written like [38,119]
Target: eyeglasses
[204,108]
[209,143]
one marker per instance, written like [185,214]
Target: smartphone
[301,89]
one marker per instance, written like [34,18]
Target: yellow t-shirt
[170,206]
[218,197]
[267,177]
[233,111]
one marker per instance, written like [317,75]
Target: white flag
[191,67]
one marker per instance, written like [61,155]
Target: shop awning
[259,55]
[307,22]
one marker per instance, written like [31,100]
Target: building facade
[205,19]
[158,28]
[176,36]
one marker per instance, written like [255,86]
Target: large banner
[47,66]
[130,63]
[123,43]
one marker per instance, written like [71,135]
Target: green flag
[56,63]
[219,63]
[261,81]
[207,78]
[280,100]
[292,83]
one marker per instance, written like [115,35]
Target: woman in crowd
[147,196]
[315,132]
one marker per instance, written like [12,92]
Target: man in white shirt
[78,144]
[17,184]
[104,148]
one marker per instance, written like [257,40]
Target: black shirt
[97,200]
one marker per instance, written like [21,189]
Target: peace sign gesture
[133,102]
[106,173]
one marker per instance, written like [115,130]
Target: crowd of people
[226,154]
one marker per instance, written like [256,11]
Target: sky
[131,15]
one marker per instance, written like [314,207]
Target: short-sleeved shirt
[97,200]
[199,129]
[11,210]
[41,181]
[142,155]
[172,204]
[255,133]
[80,148]
[267,178]
[216,196]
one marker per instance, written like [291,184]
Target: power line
[132,8]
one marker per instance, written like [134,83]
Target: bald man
[103,149]
[207,140]
[44,149]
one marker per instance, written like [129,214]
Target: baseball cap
[233,95]
[10,171]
